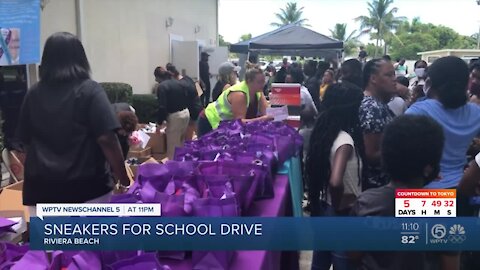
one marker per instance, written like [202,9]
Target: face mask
[420,72]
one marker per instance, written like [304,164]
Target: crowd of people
[386,132]
[374,128]
[371,127]
[368,130]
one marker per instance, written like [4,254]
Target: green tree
[246,37]
[380,22]
[350,41]
[418,37]
[222,42]
[370,48]
[290,14]
[412,44]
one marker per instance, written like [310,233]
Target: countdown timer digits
[425,203]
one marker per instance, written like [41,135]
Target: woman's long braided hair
[339,112]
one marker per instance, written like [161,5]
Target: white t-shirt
[351,183]
[306,99]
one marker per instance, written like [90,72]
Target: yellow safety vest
[221,109]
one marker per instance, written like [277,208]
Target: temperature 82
[409,239]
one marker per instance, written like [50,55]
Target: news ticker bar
[254,233]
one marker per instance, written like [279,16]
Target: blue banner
[19,32]
[254,233]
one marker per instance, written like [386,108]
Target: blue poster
[254,233]
[19,32]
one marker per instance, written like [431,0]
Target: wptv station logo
[439,235]
[425,203]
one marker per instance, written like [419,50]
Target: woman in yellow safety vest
[243,100]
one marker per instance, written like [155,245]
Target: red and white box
[285,94]
[425,203]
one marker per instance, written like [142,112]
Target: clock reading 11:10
[410,226]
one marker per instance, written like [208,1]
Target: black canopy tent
[291,40]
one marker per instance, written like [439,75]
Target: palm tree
[350,42]
[291,14]
[381,21]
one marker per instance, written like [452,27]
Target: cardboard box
[158,142]
[285,94]
[158,139]
[159,157]
[11,199]
[142,153]
[134,168]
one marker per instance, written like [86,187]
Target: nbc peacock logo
[457,234]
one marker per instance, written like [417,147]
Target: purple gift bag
[32,260]
[10,253]
[211,260]
[242,185]
[61,259]
[172,255]
[244,182]
[263,166]
[282,130]
[172,205]
[109,258]
[257,154]
[232,127]
[283,145]
[287,140]
[215,155]
[214,207]
[263,185]
[177,168]
[186,154]
[158,174]
[141,262]
[125,198]
[85,260]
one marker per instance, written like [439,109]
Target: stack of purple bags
[218,175]
[233,137]
[15,257]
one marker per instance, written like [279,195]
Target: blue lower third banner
[254,233]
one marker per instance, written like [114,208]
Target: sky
[238,17]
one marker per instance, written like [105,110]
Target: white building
[465,54]
[126,39]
